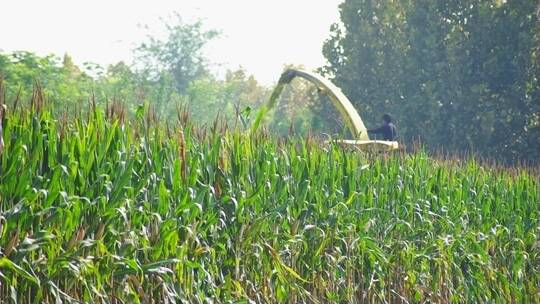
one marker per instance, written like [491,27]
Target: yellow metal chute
[339,100]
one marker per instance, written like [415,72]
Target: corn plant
[99,208]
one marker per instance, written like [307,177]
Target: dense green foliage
[167,73]
[457,75]
[71,88]
[64,82]
[98,209]
[118,184]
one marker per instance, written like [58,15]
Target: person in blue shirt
[388,129]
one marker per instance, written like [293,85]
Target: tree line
[461,76]
[166,73]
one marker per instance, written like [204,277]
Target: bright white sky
[259,35]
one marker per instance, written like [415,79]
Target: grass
[101,209]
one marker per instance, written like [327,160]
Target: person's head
[387,118]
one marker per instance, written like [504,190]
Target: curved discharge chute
[339,100]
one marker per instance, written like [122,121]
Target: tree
[63,82]
[71,70]
[209,98]
[458,75]
[179,55]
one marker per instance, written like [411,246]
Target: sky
[260,36]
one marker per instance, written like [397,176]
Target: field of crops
[96,208]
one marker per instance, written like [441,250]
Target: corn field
[99,208]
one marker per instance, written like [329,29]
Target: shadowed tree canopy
[457,75]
